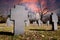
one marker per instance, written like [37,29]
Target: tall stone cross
[19,15]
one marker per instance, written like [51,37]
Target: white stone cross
[19,15]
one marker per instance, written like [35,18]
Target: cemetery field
[5,28]
[31,27]
[35,27]
[32,32]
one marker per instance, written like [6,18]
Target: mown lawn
[34,34]
[5,28]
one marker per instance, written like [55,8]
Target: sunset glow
[34,5]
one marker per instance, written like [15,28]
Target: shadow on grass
[40,30]
[6,33]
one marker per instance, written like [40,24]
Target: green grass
[42,27]
[35,35]
[4,28]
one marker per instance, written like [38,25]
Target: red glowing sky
[46,5]
[34,5]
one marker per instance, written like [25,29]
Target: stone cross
[19,15]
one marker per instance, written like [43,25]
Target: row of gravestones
[19,15]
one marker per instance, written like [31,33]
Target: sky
[34,5]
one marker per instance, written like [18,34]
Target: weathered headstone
[38,18]
[19,15]
[39,22]
[48,23]
[31,15]
[26,22]
[55,20]
[9,22]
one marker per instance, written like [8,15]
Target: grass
[5,28]
[33,34]
[36,27]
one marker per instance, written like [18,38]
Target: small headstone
[26,22]
[38,18]
[55,20]
[9,22]
[48,23]
[34,22]
[39,22]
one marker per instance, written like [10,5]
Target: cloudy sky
[34,5]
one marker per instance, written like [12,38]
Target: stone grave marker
[19,15]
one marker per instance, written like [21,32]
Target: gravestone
[48,23]
[27,22]
[55,20]
[38,18]
[19,15]
[9,22]
[39,22]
